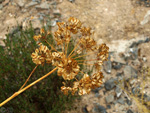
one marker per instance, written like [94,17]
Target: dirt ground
[115,22]
[111,19]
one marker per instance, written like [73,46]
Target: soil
[115,22]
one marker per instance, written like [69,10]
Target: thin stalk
[29,77]
[22,90]
[83,55]
[87,60]
[74,48]
[50,45]
[86,64]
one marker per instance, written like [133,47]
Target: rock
[15,30]
[132,81]
[53,23]
[136,90]
[134,44]
[130,111]
[2,37]
[21,3]
[2,43]
[144,58]
[71,1]
[31,4]
[136,62]
[43,5]
[129,72]
[117,59]
[116,65]
[89,107]
[36,23]
[6,2]
[56,12]
[118,91]
[108,107]
[121,101]
[110,98]
[110,84]
[119,74]
[37,31]
[146,18]
[84,109]
[134,53]
[107,66]
[146,98]
[129,102]
[38,1]
[96,90]
[99,109]
[147,40]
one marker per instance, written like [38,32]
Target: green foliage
[15,67]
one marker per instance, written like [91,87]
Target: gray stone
[36,1]
[144,58]
[71,1]
[84,109]
[119,74]
[129,102]
[5,2]
[31,4]
[110,84]
[134,44]
[110,98]
[118,91]
[99,109]
[146,18]
[147,40]
[107,66]
[121,101]
[53,23]
[146,98]
[96,90]
[108,107]
[116,58]
[136,90]
[43,5]
[56,12]
[21,3]
[129,72]
[129,111]
[15,30]
[116,65]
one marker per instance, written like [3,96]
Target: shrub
[15,67]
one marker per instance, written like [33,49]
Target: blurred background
[124,25]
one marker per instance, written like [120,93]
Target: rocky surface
[123,25]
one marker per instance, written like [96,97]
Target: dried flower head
[68,64]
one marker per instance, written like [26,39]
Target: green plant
[15,67]
[68,60]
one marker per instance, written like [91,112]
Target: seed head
[69,64]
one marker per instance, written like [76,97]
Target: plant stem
[28,77]
[50,45]
[22,90]
[74,48]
